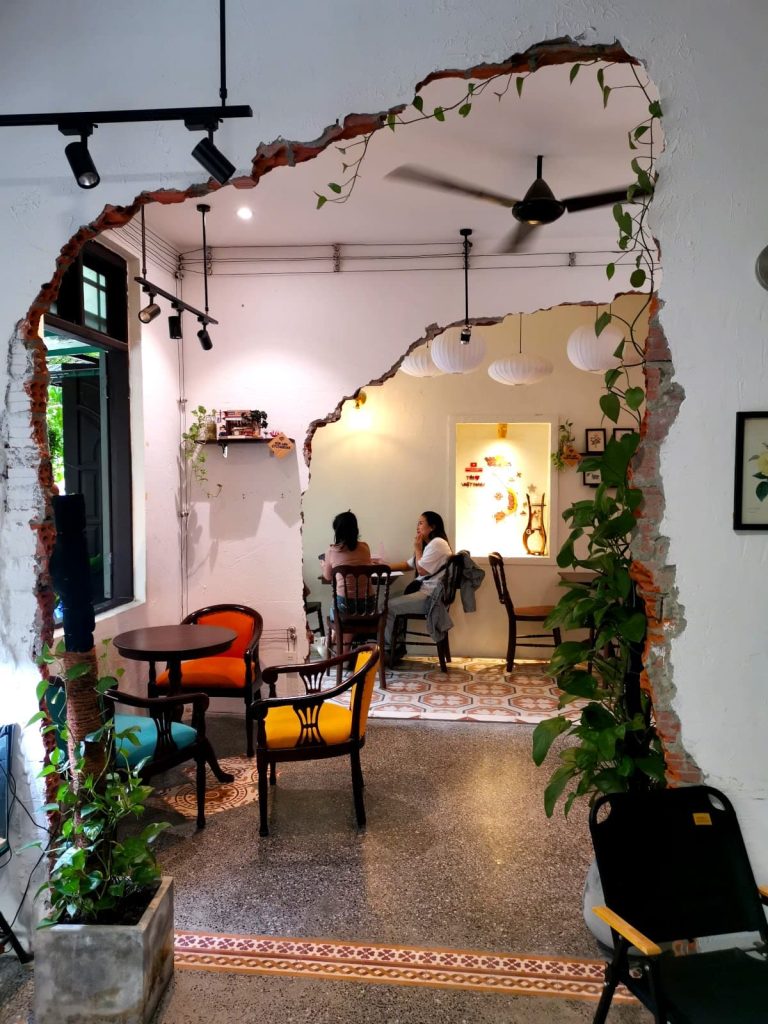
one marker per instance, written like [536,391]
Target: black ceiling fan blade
[515,238]
[576,203]
[428,179]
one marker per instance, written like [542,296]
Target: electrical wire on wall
[184,481]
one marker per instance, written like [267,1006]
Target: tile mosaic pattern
[219,796]
[473,690]
[473,970]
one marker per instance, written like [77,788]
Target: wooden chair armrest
[763,891]
[625,929]
[261,706]
[166,701]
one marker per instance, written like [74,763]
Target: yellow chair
[311,726]
[235,672]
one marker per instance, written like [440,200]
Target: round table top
[184,641]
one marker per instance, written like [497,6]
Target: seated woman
[347,549]
[431,552]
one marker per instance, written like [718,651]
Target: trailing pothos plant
[614,743]
[97,874]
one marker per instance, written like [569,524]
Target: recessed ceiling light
[245,213]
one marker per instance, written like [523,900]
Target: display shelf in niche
[224,442]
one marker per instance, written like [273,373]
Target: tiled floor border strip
[392,965]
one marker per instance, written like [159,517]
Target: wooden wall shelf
[224,442]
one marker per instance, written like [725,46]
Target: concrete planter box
[105,974]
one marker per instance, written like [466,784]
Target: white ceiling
[585,150]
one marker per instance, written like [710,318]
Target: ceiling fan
[538,206]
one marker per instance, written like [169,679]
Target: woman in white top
[431,552]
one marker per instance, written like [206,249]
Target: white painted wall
[302,67]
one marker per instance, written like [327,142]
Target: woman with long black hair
[431,552]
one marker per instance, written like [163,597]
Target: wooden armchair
[235,672]
[312,726]
[359,601]
[530,613]
[163,743]
[404,636]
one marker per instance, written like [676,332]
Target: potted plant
[202,429]
[566,455]
[258,419]
[105,949]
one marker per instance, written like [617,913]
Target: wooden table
[175,644]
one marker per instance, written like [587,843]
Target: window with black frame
[86,337]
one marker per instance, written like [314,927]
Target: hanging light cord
[143,246]
[520,335]
[203,210]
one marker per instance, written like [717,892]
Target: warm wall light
[501,429]
[360,399]
[245,213]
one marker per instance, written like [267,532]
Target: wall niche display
[503,470]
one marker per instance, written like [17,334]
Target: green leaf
[654,109]
[545,734]
[611,377]
[630,142]
[321,200]
[601,323]
[557,783]
[77,671]
[610,270]
[574,72]
[391,121]
[634,397]
[640,131]
[464,109]
[606,94]
[601,77]
[519,86]
[334,187]
[637,278]
[611,406]
[634,627]
[439,114]
[761,491]
[418,102]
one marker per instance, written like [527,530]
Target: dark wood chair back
[403,635]
[360,600]
[529,613]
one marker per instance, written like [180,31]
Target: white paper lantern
[420,364]
[520,369]
[592,352]
[451,356]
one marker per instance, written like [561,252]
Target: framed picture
[750,501]
[592,478]
[619,432]
[594,440]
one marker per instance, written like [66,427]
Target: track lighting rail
[177,303]
[196,119]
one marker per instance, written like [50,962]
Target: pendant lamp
[521,368]
[594,353]
[460,350]
[419,363]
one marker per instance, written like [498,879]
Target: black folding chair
[675,875]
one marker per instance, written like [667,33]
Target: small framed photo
[594,440]
[619,432]
[750,502]
[591,478]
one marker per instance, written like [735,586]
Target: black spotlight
[205,339]
[466,334]
[148,314]
[213,161]
[82,166]
[174,327]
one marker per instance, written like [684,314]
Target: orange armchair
[234,673]
[311,726]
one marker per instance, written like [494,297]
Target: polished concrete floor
[458,853]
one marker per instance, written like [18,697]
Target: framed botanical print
[750,499]
[591,478]
[594,440]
